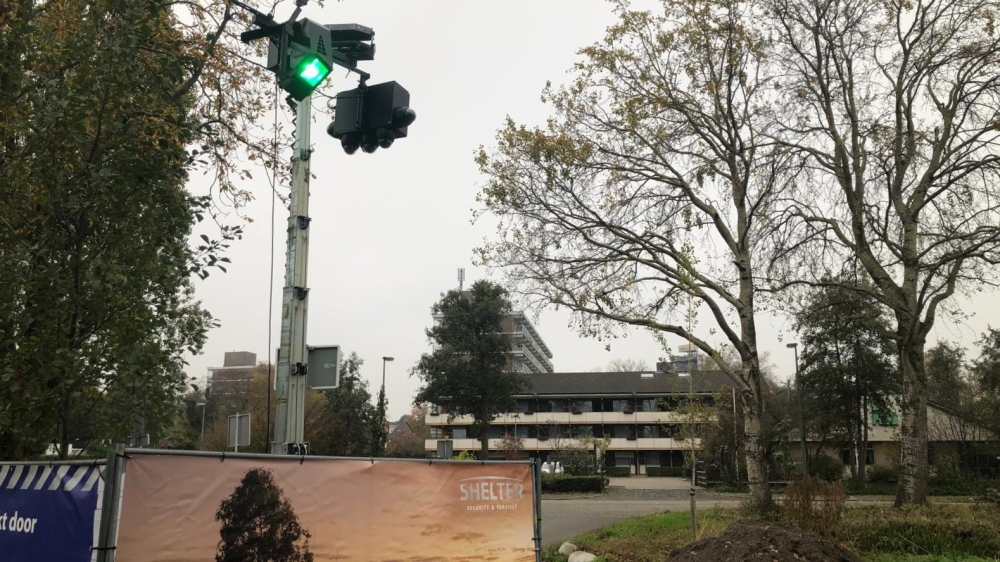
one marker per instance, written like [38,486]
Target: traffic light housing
[369,117]
[302,53]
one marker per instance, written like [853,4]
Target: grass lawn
[935,533]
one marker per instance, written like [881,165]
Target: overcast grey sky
[390,229]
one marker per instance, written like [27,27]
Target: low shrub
[562,484]
[883,475]
[813,505]
[580,470]
[619,471]
[826,468]
[992,495]
[677,471]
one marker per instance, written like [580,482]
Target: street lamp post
[384,361]
[379,446]
[202,406]
[802,423]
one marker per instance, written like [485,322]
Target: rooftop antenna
[461,278]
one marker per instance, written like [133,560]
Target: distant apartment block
[637,411]
[237,367]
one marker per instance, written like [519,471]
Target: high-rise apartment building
[237,367]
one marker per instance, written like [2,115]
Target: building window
[647,405]
[524,406]
[649,431]
[670,431]
[582,406]
[667,404]
[581,431]
[870,454]
[623,459]
[622,406]
[459,433]
[557,406]
[621,431]
[653,458]
[887,418]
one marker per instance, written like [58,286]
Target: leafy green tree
[97,308]
[468,369]
[986,368]
[379,429]
[344,420]
[946,379]
[847,367]
[259,524]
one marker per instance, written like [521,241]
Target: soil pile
[764,542]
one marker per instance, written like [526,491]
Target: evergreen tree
[467,371]
[847,369]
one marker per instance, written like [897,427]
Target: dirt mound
[764,542]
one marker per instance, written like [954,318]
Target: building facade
[237,368]
[636,412]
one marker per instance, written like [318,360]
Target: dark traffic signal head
[372,117]
[302,53]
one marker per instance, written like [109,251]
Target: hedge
[620,471]
[677,471]
[563,484]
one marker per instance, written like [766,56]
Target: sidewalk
[650,483]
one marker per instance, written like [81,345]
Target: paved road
[564,518]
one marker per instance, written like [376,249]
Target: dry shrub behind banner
[812,505]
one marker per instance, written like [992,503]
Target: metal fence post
[114,470]
[536,477]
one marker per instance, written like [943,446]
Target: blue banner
[49,512]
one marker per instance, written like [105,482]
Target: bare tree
[647,188]
[893,108]
[629,365]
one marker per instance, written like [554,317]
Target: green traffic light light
[312,70]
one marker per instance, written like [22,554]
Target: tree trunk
[756,457]
[484,446]
[863,433]
[912,487]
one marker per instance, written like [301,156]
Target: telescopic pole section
[291,368]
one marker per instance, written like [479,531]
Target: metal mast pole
[290,377]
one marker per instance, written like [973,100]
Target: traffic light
[369,117]
[300,57]
[302,53]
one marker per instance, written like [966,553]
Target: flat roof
[639,383]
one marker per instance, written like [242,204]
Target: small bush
[580,470]
[883,475]
[562,484]
[812,505]
[620,471]
[826,468]
[677,471]
[992,495]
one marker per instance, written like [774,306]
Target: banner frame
[117,464]
[102,474]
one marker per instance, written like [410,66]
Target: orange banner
[198,509]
